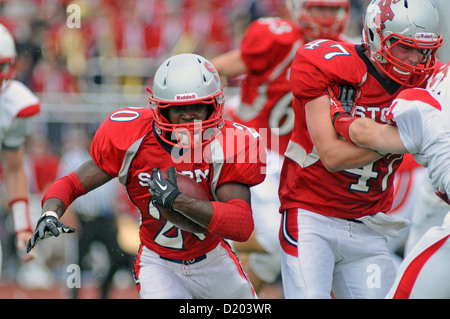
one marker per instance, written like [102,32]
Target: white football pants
[218,276]
[337,255]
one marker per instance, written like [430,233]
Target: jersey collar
[390,86]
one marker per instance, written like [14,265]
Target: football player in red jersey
[326,247]
[18,108]
[264,57]
[184,131]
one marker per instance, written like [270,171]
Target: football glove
[47,226]
[164,190]
[347,97]
[344,103]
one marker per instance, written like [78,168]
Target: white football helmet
[439,83]
[187,79]
[412,23]
[7,57]
[315,27]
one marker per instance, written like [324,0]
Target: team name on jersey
[372,112]
[197,175]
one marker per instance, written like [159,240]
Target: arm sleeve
[232,220]
[67,189]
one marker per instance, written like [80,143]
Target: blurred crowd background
[83,73]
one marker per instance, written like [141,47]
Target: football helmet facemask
[187,79]
[411,24]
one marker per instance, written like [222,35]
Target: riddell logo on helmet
[426,37]
[188,96]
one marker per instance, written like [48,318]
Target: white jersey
[18,107]
[424,273]
[423,121]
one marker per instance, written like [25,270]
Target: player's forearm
[335,153]
[54,205]
[65,190]
[15,177]
[384,138]
[16,184]
[200,211]
[363,132]
[62,193]
[340,155]
[17,190]
[232,220]
[230,63]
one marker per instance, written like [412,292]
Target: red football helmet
[187,79]
[317,27]
[7,57]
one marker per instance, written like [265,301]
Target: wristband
[341,123]
[20,214]
[50,213]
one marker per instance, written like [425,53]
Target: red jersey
[268,48]
[126,146]
[305,182]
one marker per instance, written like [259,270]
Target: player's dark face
[179,114]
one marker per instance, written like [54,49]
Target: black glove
[46,227]
[347,97]
[164,190]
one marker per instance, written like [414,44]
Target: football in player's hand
[190,188]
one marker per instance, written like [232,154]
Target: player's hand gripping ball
[165,186]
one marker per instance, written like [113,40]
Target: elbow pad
[232,220]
